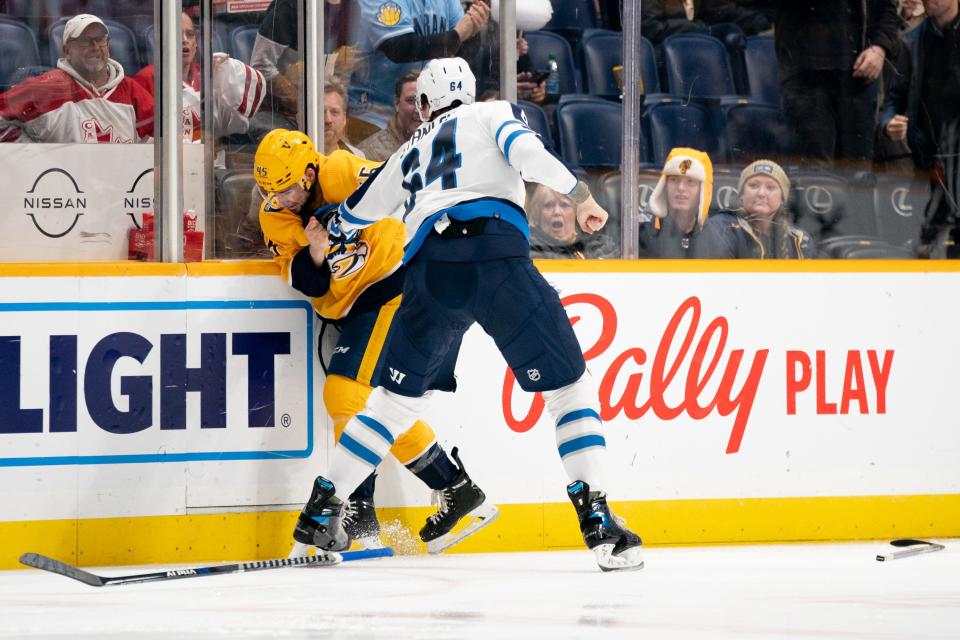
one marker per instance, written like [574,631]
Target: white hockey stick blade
[910,547]
[474,521]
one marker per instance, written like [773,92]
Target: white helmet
[444,81]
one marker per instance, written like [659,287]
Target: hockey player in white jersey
[458,186]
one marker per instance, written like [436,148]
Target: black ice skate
[321,522]
[360,522]
[459,500]
[615,546]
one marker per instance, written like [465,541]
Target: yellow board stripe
[265,267]
[520,527]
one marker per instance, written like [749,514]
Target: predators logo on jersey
[389,14]
[347,257]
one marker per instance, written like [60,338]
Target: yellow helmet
[282,159]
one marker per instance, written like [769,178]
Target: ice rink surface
[783,591]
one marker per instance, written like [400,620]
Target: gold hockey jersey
[360,271]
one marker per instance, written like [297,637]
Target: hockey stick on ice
[322,558]
[911,548]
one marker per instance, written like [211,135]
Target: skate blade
[629,560]
[472,522]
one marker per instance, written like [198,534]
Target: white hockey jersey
[60,106]
[238,91]
[482,151]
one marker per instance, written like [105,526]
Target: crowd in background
[865,89]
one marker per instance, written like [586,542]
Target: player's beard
[91,67]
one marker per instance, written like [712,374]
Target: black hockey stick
[911,547]
[321,558]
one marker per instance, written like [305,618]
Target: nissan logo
[56,206]
[818,199]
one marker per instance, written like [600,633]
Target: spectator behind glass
[662,18]
[86,98]
[923,108]
[238,89]
[761,227]
[678,206]
[396,33]
[830,55]
[335,120]
[554,232]
[405,120]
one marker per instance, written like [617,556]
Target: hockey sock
[434,468]
[580,440]
[368,436]
[366,488]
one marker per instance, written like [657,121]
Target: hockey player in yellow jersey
[355,284]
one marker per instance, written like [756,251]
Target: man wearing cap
[678,206]
[86,98]
[761,227]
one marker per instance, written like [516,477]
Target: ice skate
[321,522]
[615,547]
[459,500]
[360,522]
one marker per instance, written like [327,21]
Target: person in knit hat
[678,206]
[761,227]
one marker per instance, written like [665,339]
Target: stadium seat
[571,18]
[537,119]
[697,66]
[21,74]
[648,67]
[123,44]
[542,44]
[241,41]
[753,130]
[18,49]
[763,78]
[607,192]
[590,131]
[828,204]
[675,123]
[860,247]
[900,204]
[600,52]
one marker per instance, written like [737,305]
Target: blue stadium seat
[18,48]
[675,123]
[21,74]
[537,119]
[762,73]
[697,66]
[241,41]
[146,44]
[590,131]
[726,194]
[600,52]
[755,130]
[648,67]
[123,44]
[542,44]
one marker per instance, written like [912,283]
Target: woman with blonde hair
[761,227]
[554,232]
